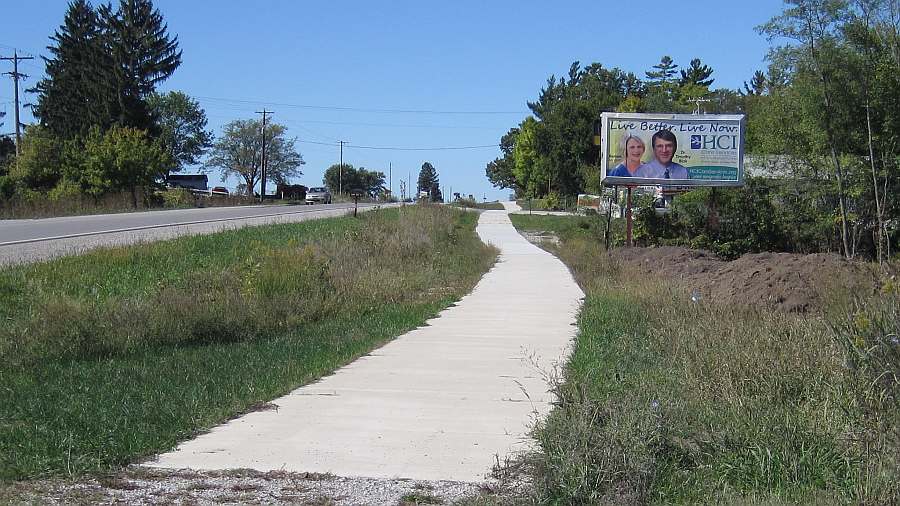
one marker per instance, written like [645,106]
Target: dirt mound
[783,281]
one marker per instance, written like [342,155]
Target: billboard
[672,149]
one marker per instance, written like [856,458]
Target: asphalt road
[25,241]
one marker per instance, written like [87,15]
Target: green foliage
[731,221]
[663,401]
[666,69]
[169,338]
[428,181]
[7,154]
[529,170]
[697,74]
[104,65]
[39,165]
[823,86]
[178,197]
[77,90]
[238,152]
[122,158]
[65,190]
[501,171]
[7,187]
[143,55]
[822,124]
[182,128]
[349,178]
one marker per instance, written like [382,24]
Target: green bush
[177,197]
[39,165]
[668,400]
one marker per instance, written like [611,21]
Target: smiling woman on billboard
[632,149]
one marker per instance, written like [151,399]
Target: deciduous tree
[238,152]
[350,177]
[182,128]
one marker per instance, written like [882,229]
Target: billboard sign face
[672,149]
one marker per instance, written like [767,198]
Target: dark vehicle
[319,195]
[219,190]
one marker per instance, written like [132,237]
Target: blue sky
[409,74]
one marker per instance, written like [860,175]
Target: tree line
[103,127]
[823,132]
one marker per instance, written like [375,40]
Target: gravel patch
[141,486]
[538,238]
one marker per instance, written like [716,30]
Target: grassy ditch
[472,204]
[37,205]
[671,400]
[121,353]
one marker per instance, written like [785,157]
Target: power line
[391,148]
[391,125]
[444,148]
[354,109]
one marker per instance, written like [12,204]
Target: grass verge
[36,205]
[121,353]
[472,204]
[670,400]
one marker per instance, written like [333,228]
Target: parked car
[219,190]
[318,195]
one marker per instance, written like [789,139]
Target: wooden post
[628,238]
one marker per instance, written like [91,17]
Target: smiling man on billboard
[665,144]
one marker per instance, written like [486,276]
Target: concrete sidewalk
[438,403]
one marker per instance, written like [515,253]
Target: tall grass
[40,205]
[672,399]
[122,352]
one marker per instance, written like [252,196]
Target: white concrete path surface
[441,402]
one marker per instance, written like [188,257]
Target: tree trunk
[842,198]
[829,131]
[879,243]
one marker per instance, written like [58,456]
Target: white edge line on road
[150,227]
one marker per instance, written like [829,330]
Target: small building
[192,181]
[291,192]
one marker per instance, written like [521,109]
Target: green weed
[123,352]
[672,400]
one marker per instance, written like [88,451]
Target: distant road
[24,241]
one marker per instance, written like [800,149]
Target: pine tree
[697,74]
[71,97]
[428,181]
[757,86]
[104,65]
[143,55]
[665,70]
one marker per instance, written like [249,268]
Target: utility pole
[16,76]
[391,178]
[262,184]
[697,102]
[341,170]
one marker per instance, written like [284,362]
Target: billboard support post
[609,214]
[628,238]
[712,220]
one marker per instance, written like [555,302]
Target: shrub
[39,164]
[177,197]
